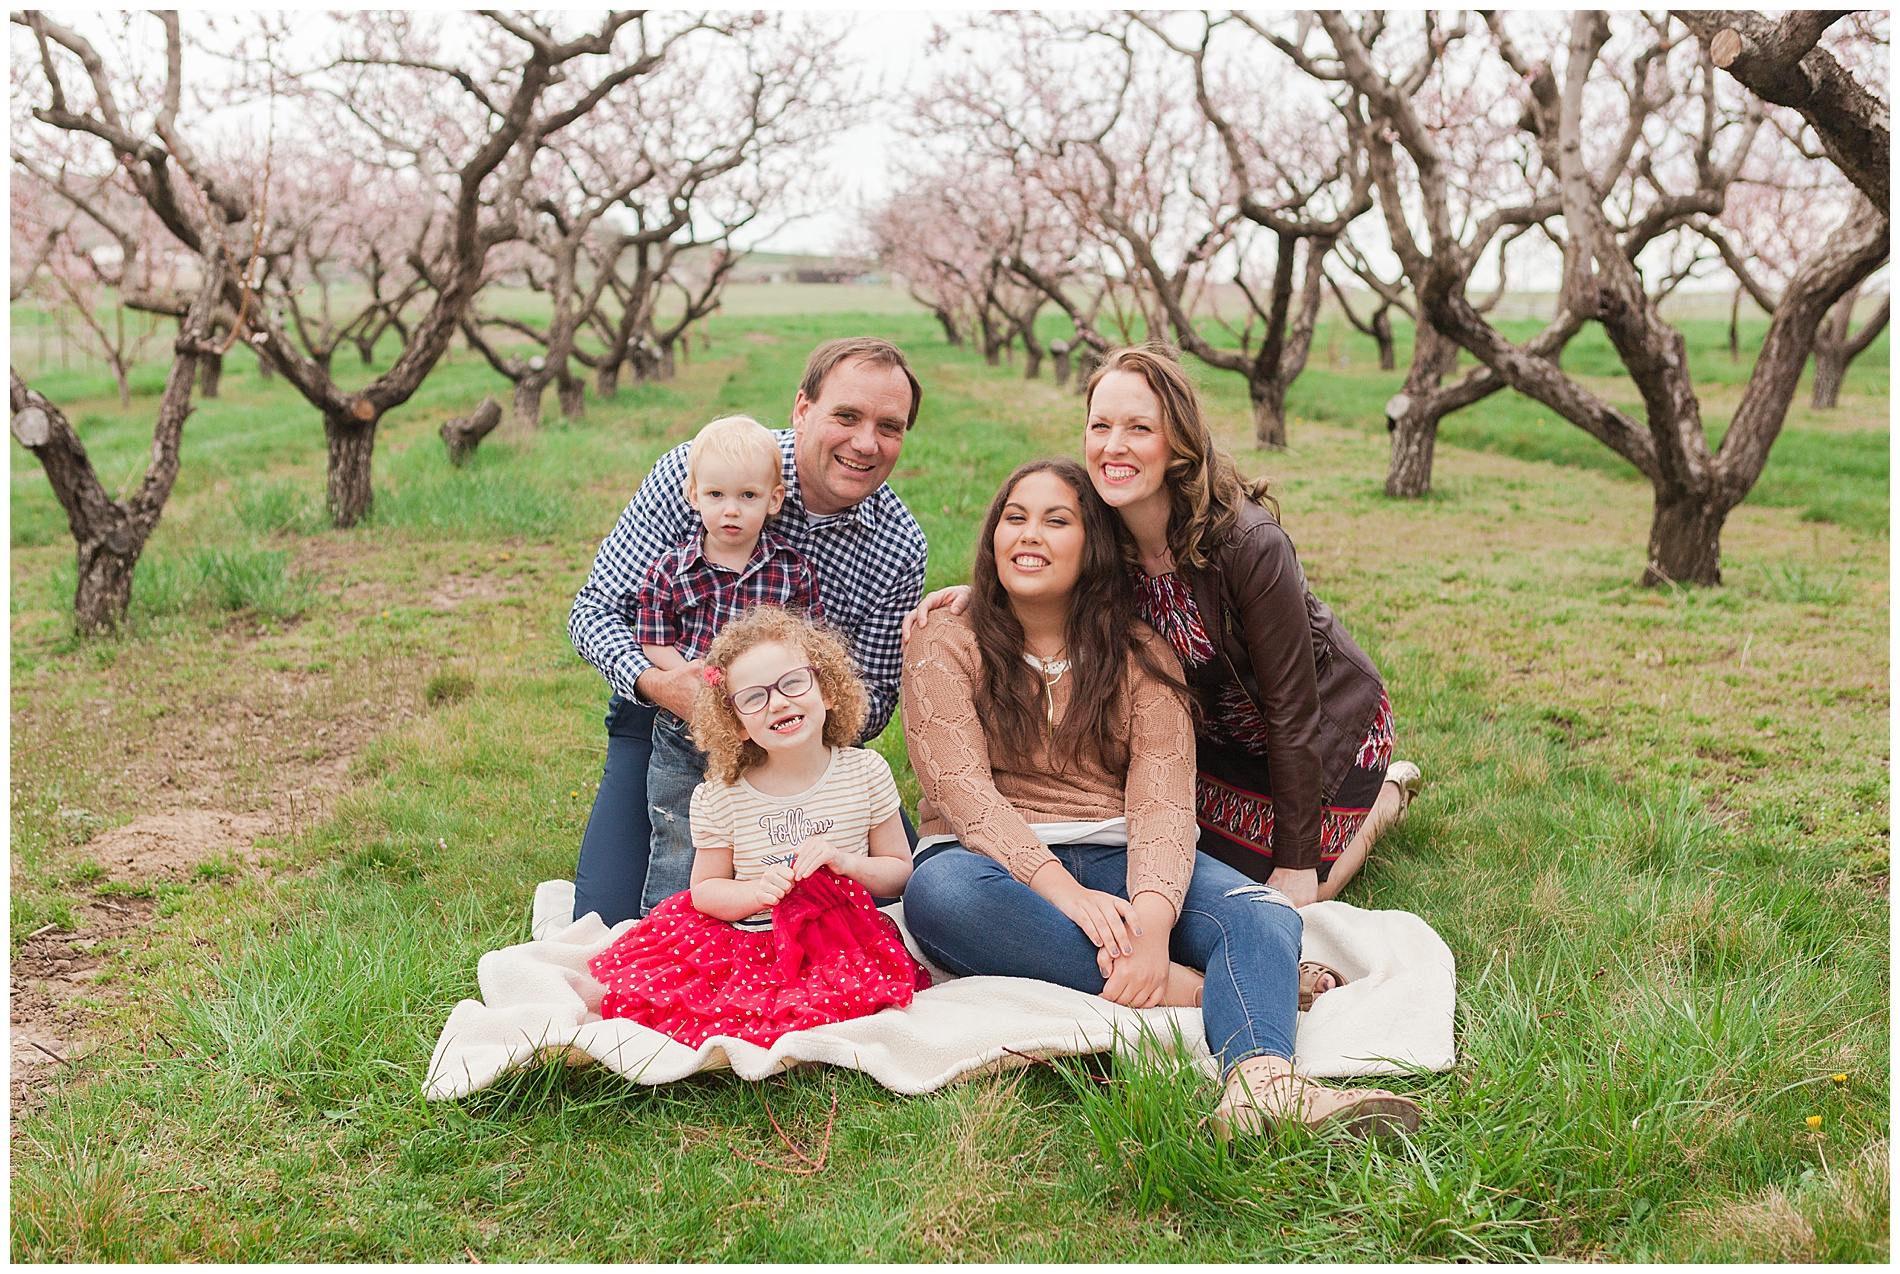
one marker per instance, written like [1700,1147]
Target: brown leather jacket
[1317,690]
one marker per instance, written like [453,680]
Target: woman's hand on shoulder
[956,597]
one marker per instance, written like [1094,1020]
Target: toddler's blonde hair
[740,440]
[717,729]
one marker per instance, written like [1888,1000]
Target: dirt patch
[170,846]
[49,977]
[56,997]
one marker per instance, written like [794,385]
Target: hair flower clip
[713,676]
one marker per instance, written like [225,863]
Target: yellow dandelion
[1840,1079]
[1814,1121]
[385,614]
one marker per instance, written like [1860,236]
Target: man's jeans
[612,871]
[972,917]
[611,876]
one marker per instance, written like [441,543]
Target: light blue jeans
[972,917]
[673,771]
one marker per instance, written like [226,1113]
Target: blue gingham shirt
[870,561]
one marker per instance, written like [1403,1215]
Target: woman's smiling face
[1125,444]
[1039,542]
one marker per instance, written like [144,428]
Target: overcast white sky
[888,45]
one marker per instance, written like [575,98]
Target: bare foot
[1183,989]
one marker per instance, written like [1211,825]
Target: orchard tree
[100,255]
[729,130]
[470,123]
[110,533]
[1459,154]
[1783,220]
[1638,134]
[1296,176]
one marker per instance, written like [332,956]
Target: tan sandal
[1406,777]
[1310,973]
[1365,1113]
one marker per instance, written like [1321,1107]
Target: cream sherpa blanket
[1393,1015]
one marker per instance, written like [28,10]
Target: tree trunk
[573,395]
[366,350]
[465,433]
[1413,414]
[1735,328]
[105,579]
[950,332]
[667,366]
[347,484]
[607,379]
[1414,428]
[1388,347]
[1032,364]
[527,404]
[1087,359]
[210,374]
[1269,414]
[264,368]
[1059,353]
[1685,540]
[1830,369]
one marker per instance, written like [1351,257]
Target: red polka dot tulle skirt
[829,956]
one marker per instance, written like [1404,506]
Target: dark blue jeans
[612,871]
[611,876]
[972,917]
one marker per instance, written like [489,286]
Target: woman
[1051,735]
[1294,730]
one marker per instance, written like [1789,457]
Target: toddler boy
[735,482]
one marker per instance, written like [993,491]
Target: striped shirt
[854,795]
[869,559]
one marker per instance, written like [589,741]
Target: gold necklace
[1051,671]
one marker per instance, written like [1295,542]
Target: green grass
[1654,838]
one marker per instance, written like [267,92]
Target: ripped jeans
[676,768]
[972,917]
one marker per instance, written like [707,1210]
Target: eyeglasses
[754,698]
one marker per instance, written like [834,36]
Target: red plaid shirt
[685,598]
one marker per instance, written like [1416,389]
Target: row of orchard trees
[1211,177]
[296,184]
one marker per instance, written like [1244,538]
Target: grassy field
[260,842]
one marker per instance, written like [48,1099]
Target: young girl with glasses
[794,831]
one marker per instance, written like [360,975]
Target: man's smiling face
[846,442]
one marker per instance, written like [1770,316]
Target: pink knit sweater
[989,806]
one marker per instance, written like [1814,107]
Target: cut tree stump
[465,433]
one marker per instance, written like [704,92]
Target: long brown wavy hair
[1103,635]
[1205,489]
[717,729]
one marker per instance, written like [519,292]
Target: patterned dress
[1229,799]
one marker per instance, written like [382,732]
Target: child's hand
[815,852]
[774,884]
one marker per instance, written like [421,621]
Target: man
[857,400]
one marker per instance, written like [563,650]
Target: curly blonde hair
[717,729]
